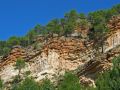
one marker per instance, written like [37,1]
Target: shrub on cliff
[1,84]
[28,84]
[111,79]
[46,85]
[70,82]
[20,64]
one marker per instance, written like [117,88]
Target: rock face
[81,31]
[87,81]
[72,51]
[15,53]
[113,39]
[91,69]
[58,55]
[7,63]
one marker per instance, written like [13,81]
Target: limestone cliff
[59,54]
[113,39]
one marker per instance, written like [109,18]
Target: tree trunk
[19,74]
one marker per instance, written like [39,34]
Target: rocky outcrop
[82,28]
[86,81]
[114,24]
[91,69]
[16,52]
[113,35]
[58,55]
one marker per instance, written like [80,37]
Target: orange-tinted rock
[16,52]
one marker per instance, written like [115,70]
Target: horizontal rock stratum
[60,54]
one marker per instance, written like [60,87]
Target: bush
[47,85]
[28,84]
[1,84]
[111,79]
[70,82]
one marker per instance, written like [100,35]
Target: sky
[17,17]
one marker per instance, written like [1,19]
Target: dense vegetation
[110,80]
[65,26]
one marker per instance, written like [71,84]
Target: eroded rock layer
[59,54]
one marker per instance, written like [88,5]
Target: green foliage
[13,41]
[27,84]
[2,46]
[27,73]
[38,28]
[99,30]
[84,23]
[72,16]
[37,46]
[6,50]
[54,26]
[117,9]
[70,21]
[99,35]
[31,35]
[70,82]
[82,16]
[20,64]
[24,41]
[111,79]
[47,85]
[15,83]
[97,17]
[68,28]
[1,84]
[30,84]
